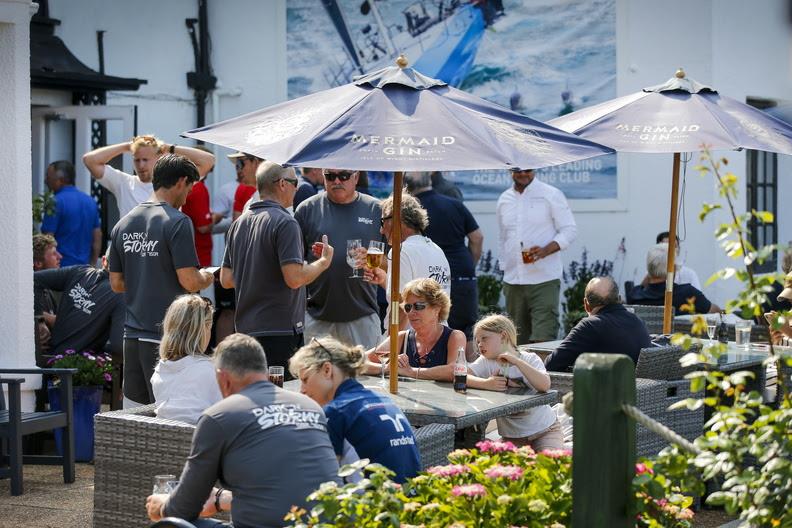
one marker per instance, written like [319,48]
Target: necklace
[423,359]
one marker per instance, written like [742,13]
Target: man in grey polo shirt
[264,262]
[338,305]
[153,261]
[269,447]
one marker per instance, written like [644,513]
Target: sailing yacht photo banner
[541,58]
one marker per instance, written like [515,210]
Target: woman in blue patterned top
[360,422]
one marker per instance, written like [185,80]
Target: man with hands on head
[131,190]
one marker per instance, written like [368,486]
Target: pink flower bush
[641,468]
[509,472]
[489,446]
[557,453]
[469,490]
[448,471]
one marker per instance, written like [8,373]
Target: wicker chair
[653,397]
[134,445]
[652,316]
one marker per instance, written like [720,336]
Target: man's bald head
[601,291]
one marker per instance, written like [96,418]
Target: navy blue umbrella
[679,115]
[396,119]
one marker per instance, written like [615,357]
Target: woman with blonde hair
[360,422]
[429,348]
[502,365]
[184,381]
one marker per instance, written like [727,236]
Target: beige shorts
[550,438]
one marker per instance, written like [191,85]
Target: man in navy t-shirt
[450,223]
[375,428]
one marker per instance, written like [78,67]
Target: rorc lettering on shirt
[139,243]
[287,414]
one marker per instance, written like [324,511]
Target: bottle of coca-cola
[460,372]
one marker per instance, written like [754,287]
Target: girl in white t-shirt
[501,365]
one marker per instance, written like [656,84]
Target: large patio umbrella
[680,115]
[396,119]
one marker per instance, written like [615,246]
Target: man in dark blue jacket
[608,329]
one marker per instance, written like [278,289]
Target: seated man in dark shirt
[269,447]
[608,329]
[89,312]
[653,294]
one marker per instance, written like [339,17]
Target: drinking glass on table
[276,375]
[711,326]
[384,358]
[742,334]
[375,254]
[164,484]
[353,256]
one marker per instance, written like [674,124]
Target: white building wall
[16,320]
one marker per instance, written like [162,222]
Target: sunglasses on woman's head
[417,305]
[343,176]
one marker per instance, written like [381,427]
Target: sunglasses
[343,176]
[418,307]
[385,219]
[294,182]
[240,162]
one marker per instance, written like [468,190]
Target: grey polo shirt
[148,245]
[259,242]
[268,446]
[333,296]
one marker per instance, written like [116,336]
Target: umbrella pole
[393,365]
[668,308]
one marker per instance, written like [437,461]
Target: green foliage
[496,485]
[43,204]
[92,369]
[576,277]
[747,445]
[489,284]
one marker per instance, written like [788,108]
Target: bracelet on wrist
[217,504]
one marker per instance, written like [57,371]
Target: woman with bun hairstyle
[360,422]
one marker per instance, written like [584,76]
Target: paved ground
[49,503]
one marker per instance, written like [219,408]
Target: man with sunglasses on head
[343,307]
[246,165]
[265,263]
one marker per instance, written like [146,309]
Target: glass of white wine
[711,329]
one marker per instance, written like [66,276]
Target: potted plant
[93,371]
[490,283]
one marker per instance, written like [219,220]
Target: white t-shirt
[525,423]
[127,189]
[224,200]
[185,388]
[685,275]
[422,258]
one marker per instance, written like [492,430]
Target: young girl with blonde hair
[184,381]
[502,365]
